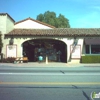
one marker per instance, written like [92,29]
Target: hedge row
[90,59]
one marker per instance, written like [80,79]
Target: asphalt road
[48,84]
[73,92]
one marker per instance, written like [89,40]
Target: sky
[81,13]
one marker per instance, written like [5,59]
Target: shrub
[8,60]
[90,59]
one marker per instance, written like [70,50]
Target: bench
[20,59]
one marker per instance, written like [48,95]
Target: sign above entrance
[75,51]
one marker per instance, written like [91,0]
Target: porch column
[21,51]
[90,48]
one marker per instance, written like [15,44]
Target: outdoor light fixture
[11,41]
[75,41]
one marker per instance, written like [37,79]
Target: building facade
[33,38]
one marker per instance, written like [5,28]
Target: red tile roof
[55,32]
[35,21]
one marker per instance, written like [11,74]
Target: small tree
[1,44]
[51,18]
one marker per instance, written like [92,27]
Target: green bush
[90,59]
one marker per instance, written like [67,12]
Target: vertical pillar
[46,59]
[21,51]
[68,53]
[90,48]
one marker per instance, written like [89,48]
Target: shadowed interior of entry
[55,50]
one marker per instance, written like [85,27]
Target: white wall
[3,24]
[9,25]
[29,24]
[67,41]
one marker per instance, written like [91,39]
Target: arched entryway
[56,50]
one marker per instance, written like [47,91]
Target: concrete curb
[51,67]
[48,65]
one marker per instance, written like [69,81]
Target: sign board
[11,50]
[76,51]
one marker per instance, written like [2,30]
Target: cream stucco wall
[9,24]
[6,25]
[3,23]
[29,24]
[3,29]
[67,41]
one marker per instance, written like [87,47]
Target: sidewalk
[50,64]
[36,64]
[52,67]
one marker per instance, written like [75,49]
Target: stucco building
[33,38]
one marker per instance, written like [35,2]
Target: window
[92,49]
[87,49]
[95,49]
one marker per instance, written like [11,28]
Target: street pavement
[50,67]
[52,81]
